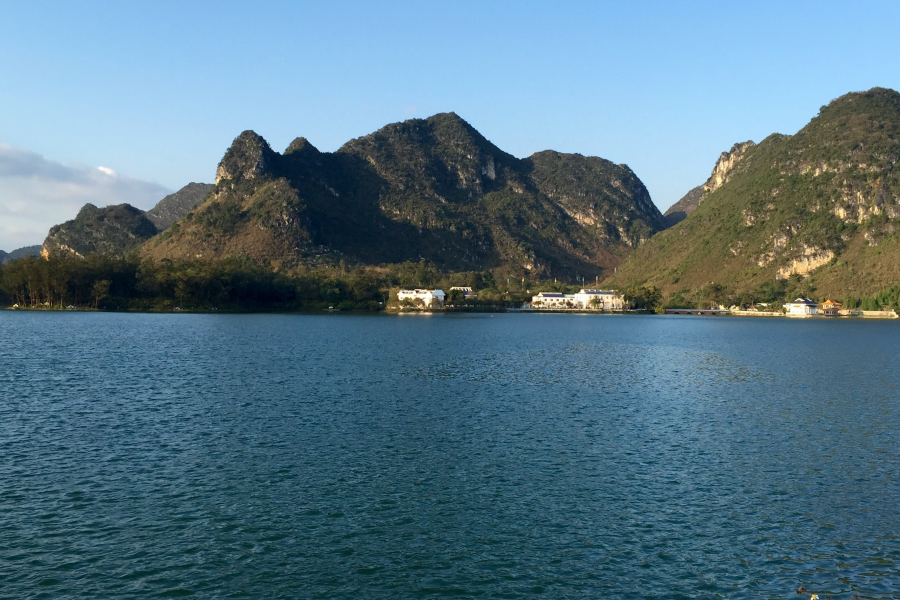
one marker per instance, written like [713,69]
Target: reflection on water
[473,456]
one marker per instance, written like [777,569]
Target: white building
[583,300]
[553,300]
[430,298]
[802,307]
[600,299]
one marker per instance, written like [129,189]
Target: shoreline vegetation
[239,285]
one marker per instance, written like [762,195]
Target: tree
[455,297]
[643,297]
[100,291]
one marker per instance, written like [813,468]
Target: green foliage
[887,298]
[232,284]
[221,217]
[832,189]
[643,297]
[238,284]
[113,230]
[433,190]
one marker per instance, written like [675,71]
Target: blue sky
[154,92]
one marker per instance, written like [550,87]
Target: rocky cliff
[725,166]
[432,189]
[720,175]
[821,207]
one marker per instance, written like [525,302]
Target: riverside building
[605,300]
[430,298]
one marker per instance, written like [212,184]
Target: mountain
[432,189]
[5,257]
[121,228]
[112,230]
[174,206]
[720,175]
[818,211]
[680,210]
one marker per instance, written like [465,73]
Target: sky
[110,102]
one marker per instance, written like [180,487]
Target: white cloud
[37,193]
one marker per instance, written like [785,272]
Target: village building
[600,299]
[552,300]
[429,298]
[801,307]
[830,308]
[584,300]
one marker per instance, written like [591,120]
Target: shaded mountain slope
[174,206]
[112,230]
[22,252]
[432,189]
[679,211]
[821,206]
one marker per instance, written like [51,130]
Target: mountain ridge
[120,228]
[432,189]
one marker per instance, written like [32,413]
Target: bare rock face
[725,165]
[174,206]
[248,157]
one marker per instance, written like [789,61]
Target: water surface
[504,456]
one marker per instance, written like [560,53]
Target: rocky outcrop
[809,260]
[725,166]
[174,206]
[721,173]
[248,157]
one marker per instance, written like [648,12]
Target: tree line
[113,283]
[128,283]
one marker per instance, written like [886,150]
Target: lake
[417,456]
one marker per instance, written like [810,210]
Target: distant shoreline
[869,316]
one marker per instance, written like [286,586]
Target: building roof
[803,301]
[551,295]
[598,292]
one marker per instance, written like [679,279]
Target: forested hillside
[816,213]
[431,189]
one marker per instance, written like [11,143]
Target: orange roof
[831,304]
